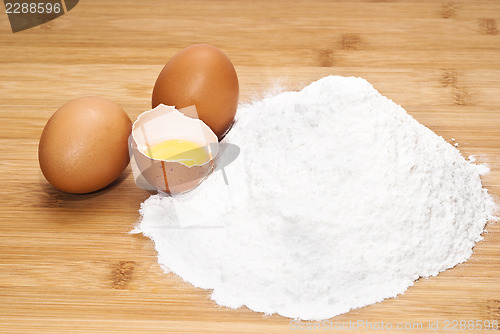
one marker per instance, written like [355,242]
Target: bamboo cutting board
[67,262]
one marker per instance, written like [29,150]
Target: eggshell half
[172,177]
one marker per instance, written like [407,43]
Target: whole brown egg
[201,76]
[84,145]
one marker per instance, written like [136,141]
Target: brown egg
[203,76]
[84,145]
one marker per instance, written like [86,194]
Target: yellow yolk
[184,151]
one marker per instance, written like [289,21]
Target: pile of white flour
[338,199]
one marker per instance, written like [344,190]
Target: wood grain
[68,263]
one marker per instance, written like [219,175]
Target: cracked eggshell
[164,123]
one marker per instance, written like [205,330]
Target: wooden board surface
[67,262]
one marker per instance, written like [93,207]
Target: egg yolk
[184,151]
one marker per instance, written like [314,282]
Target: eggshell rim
[188,119]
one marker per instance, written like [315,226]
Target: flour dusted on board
[338,199]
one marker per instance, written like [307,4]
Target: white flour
[338,199]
